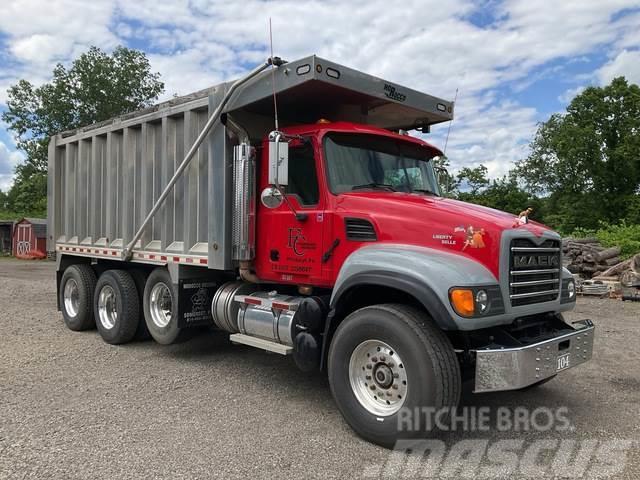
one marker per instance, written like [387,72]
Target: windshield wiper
[384,186]
[423,190]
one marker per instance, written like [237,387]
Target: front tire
[388,361]
[116,307]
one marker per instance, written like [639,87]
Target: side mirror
[278,159]
[271,197]
[443,178]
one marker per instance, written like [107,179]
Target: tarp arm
[127,253]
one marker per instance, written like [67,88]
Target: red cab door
[288,249]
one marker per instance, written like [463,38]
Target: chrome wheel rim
[378,378]
[71,296]
[107,307]
[160,305]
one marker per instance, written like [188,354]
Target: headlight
[569,291]
[482,301]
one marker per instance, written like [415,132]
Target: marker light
[462,301]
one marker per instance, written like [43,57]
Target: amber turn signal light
[462,301]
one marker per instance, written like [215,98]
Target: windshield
[369,162]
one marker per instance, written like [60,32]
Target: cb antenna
[273,77]
[444,152]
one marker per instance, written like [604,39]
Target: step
[261,343]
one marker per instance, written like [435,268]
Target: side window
[303,180]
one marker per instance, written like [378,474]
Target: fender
[424,273]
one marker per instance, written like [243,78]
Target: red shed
[30,238]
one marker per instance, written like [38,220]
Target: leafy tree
[587,160]
[96,87]
[4,205]
[474,178]
[503,193]
[446,180]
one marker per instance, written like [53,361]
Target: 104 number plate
[563,362]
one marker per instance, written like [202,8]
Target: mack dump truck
[292,210]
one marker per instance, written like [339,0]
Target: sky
[513,62]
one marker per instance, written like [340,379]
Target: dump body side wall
[104,181]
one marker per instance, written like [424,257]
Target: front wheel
[386,364]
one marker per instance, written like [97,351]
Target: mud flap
[194,302]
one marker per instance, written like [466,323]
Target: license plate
[563,361]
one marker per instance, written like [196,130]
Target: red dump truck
[325,238]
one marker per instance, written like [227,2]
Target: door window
[303,180]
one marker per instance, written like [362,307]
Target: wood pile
[588,258]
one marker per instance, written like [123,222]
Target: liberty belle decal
[474,236]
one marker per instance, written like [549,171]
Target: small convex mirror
[271,197]
[278,159]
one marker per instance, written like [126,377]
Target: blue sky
[515,62]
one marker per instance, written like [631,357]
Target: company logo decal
[535,261]
[199,300]
[474,236]
[391,92]
[295,239]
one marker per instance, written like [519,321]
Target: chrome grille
[534,271]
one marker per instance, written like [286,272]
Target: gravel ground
[72,406]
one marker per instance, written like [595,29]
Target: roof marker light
[333,73]
[303,69]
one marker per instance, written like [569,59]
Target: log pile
[588,258]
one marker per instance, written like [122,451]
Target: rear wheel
[116,307]
[76,297]
[161,308]
[387,362]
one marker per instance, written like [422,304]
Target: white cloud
[8,161]
[428,45]
[570,93]
[625,64]
[487,131]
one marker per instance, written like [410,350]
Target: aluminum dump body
[105,178]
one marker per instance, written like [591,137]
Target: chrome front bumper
[514,368]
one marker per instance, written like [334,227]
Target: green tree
[587,161]
[4,201]
[96,87]
[475,179]
[503,193]
[446,181]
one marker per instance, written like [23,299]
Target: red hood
[436,222]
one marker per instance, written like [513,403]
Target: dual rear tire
[122,304]
[116,306]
